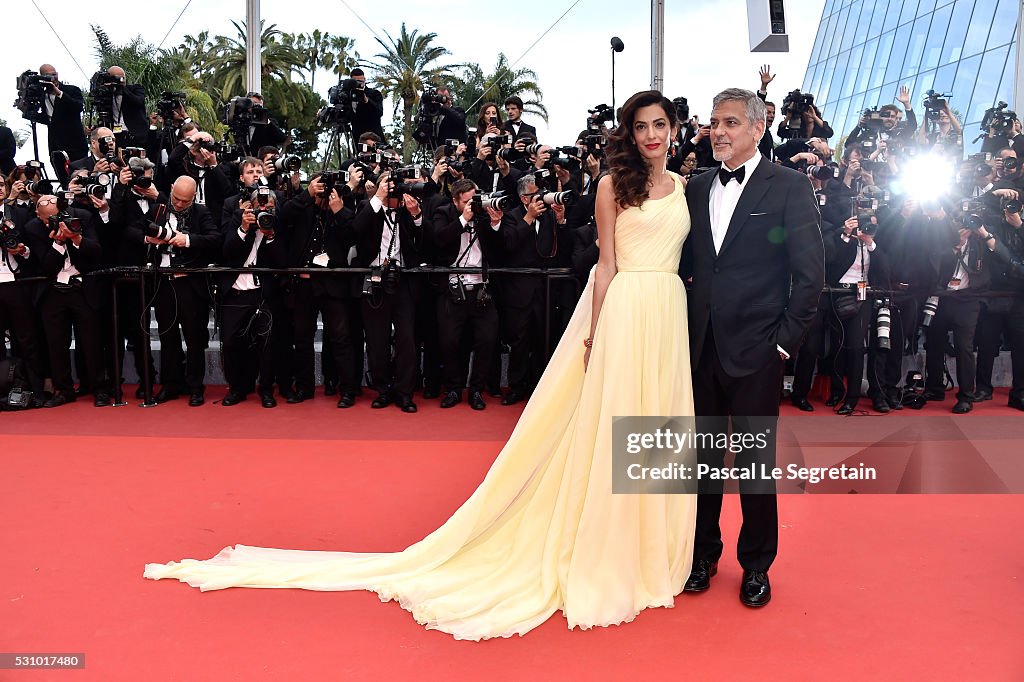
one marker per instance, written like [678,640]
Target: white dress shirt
[390,229]
[723,200]
[247,282]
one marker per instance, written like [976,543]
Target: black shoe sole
[755,606]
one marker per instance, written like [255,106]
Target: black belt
[846,285]
[73,284]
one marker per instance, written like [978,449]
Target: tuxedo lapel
[700,210]
[757,186]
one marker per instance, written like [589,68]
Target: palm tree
[278,61]
[344,57]
[404,68]
[474,87]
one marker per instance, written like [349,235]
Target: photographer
[767,144]
[183,234]
[890,125]
[263,131]
[62,114]
[17,316]
[533,238]
[491,170]
[245,300]
[1000,128]
[387,230]
[452,125]
[1008,170]
[802,118]
[289,180]
[466,234]
[66,246]
[1002,314]
[103,154]
[369,110]
[961,277]
[129,121]
[514,124]
[320,235]
[699,143]
[195,156]
[942,131]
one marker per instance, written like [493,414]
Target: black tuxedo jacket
[762,288]
[444,232]
[64,128]
[125,210]
[303,242]
[528,247]
[8,148]
[525,130]
[87,163]
[86,257]
[368,114]
[368,227]
[133,109]
[236,251]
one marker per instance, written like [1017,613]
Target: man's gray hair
[523,186]
[140,162]
[752,104]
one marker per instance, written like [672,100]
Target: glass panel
[853,27]
[963,86]
[871,99]
[878,18]
[829,7]
[1005,25]
[818,39]
[840,31]
[852,70]
[909,6]
[981,21]
[918,35]
[944,78]
[925,6]
[953,48]
[936,36]
[827,78]
[992,64]
[893,15]
[866,65]
[881,59]
[899,50]
[1005,91]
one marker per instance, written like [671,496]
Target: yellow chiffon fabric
[543,532]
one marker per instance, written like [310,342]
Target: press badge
[322,260]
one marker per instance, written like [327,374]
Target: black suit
[525,130]
[758,291]
[8,148]
[452,125]
[65,132]
[133,111]
[368,114]
[16,312]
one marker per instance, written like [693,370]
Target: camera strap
[394,235]
[462,257]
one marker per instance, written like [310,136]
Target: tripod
[341,139]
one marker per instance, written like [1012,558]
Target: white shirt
[723,200]
[390,227]
[859,270]
[50,99]
[247,282]
[473,259]
[960,272]
[69,270]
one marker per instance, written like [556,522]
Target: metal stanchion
[118,391]
[147,380]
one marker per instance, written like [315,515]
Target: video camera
[10,235]
[797,103]
[241,112]
[934,103]
[600,114]
[168,104]
[32,89]
[999,119]
[103,87]
[343,100]
[682,109]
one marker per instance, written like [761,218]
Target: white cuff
[376,204]
[782,352]
[188,243]
[462,219]
[105,216]
[241,234]
[60,248]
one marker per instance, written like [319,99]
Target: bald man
[63,106]
[130,122]
[182,300]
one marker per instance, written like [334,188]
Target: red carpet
[866,587]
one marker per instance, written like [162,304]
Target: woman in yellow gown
[544,532]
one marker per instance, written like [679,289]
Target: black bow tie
[725,176]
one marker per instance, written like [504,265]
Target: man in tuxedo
[195,157]
[8,148]
[756,258]
[453,119]
[130,121]
[63,109]
[370,109]
[514,123]
[264,132]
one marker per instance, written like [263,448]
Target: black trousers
[747,404]
[810,351]
[960,314]
[524,333]
[848,343]
[180,306]
[1001,316]
[885,367]
[246,325]
[16,315]
[60,309]
[453,318]
[133,324]
[391,372]
[337,338]
[428,343]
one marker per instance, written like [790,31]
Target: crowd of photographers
[152,190]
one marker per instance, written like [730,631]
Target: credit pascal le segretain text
[751,472]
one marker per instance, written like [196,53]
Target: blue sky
[706,46]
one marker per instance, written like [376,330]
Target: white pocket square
[754,214]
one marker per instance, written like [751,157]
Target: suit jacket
[86,257]
[762,288]
[525,130]
[444,231]
[453,125]
[216,185]
[236,251]
[303,242]
[64,128]
[526,246]
[125,210]
[8,148]
[368,114]
[133,109]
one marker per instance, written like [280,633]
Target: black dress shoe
[196,399]
[700,576]
[962,407]
[880,405]
[755,590]
[298,397]
[381,401]
[346,400]
[982,396]
[495,392]
[430,393]
[451,399]
[165,395]
[846,408]
[267,400]
[232,398]
[331,388]
[1016,403]
[936,396]
[476,401]
[406,403]
[833,400]
[512,397]
[894,402]
[60,398]
[101,399]
[803,405]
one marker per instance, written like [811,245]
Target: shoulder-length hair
[629,170]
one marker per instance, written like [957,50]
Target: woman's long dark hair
[481,120]
[629,170]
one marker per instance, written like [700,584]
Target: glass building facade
[866,49]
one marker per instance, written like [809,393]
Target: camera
[797,103]
[129,153]
[416,189]
[10,235]
[40,187]
[567,198]
[96,185]
[333,180]
[883,324]
[931,305]
[682,109]
[102,89]
[973,214]
[830,171]
[266,219]
[108,148]
[73,224]
[161,231]
[497,201]
[168,104]
[287,164]
[998,119]
[241,112]
[934,103]
[139,179]
[343,100]
[601,113]
[1012,205]
[873,119]
[384,278]
[411,172]
[1010,165]
[32,89]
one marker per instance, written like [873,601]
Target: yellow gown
[543,531]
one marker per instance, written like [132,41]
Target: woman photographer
[488,122]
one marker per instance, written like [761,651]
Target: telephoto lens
[931,305]
[287,164]
[567,198]
[882,327]
[1013,206]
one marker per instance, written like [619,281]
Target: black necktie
[725,175]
